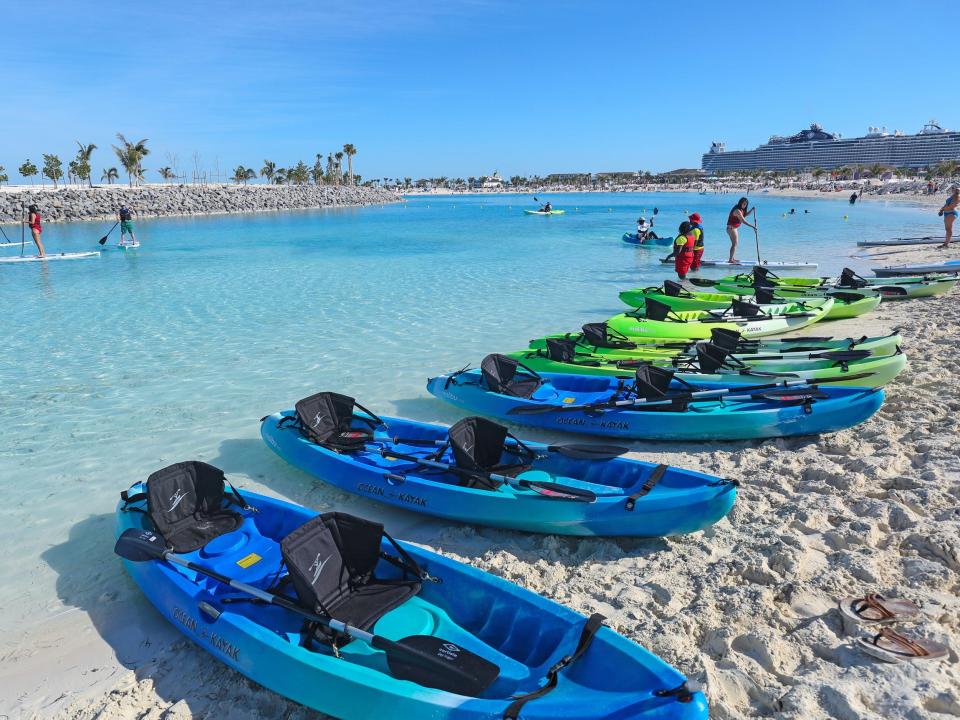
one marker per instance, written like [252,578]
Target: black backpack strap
[655,477]
[593,624]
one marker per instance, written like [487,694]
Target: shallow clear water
[114,367]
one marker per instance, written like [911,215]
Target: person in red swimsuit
[683,249]
[34,221]
[738,217]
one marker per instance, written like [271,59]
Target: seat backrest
[656,310]
[725,338]
[710,357]
[744,309]
[561,350]
[764,294]
[329,555]
[674,289]
[596,334]
[186,503]
[502,375]
[326,419]
[762,276]
[652,382]
[850,279]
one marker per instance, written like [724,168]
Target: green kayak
[599,339]
[714,364]
[845,305]
[896,288]
[658,320]
[541,212]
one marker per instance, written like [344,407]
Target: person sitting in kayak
[548,207]
[34,221]
[125,218]
[949,212]
[683,249]
[697,222]
[738,217]
[645,230]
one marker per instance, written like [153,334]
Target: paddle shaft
[451,468]
[756,232]
[103,240]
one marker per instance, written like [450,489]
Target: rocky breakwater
[73,203]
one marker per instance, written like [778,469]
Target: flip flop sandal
[890,646]
[876,609]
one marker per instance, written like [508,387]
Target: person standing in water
[949,213]
[738,217]
[683,249]
[34,222]
[697,229]
[125,218]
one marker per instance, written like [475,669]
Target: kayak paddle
[103,240]
[424,659]
[551,489]
[578,451]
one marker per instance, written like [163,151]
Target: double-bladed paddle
[547,489]
[719,393]
[578,451]
[424,659]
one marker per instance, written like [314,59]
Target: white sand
[746,608]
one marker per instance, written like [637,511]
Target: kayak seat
[327,419]
[332,560]
[502,375]
[188,505]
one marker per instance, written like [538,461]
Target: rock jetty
[75,203]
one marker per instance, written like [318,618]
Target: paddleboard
[128,246]
[49,256]
[901,241]
[766,263]
[950,266]
[17,244]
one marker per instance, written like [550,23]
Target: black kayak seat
[561,350]
[725,338]
[479,445]
[327,419]
[332,561]
[189,506]
[601,336]
[656,310]
[675,289]
[502,375]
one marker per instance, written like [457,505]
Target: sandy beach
[746,609]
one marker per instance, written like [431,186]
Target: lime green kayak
[845,305]
[712,364]
[541,212]
[599,339]
[894,288]
[660,321]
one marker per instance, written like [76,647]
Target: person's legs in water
[39,243]
[734,238]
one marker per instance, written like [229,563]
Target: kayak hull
[631,239]
[683,501]
[845,407]
[539,212]
[951,266]
[842,308]
[523,633]
[882,369]
[892,288]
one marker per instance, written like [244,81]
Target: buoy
[845,217]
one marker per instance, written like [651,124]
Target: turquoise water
[116,366]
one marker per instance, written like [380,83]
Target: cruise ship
[815,147]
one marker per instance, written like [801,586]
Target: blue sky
[459,88]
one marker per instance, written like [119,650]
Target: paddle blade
[436,663]
[103,240]
[588,452]
[140,545]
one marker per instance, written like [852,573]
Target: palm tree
[130,156]
[350,151]
[166,173]
[280,176]
[817,173]
[339,157]
[947,169]
[877,170]
[268,170]
[83,161]
[110,174]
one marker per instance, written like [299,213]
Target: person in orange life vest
[683,249]
[697,223]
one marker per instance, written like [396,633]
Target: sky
[455,88]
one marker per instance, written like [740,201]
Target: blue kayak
[384,596]
[631,239]
[608,406]
[552,493]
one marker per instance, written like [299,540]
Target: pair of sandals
[888,644]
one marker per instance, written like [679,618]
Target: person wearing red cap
[697,231]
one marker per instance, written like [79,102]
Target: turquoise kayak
[568,490]
[391,631]
[631,239]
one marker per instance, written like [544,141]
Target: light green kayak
[845,305]
[598,339]
[660,321]
[541,212]
[893,288]
[712,364]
